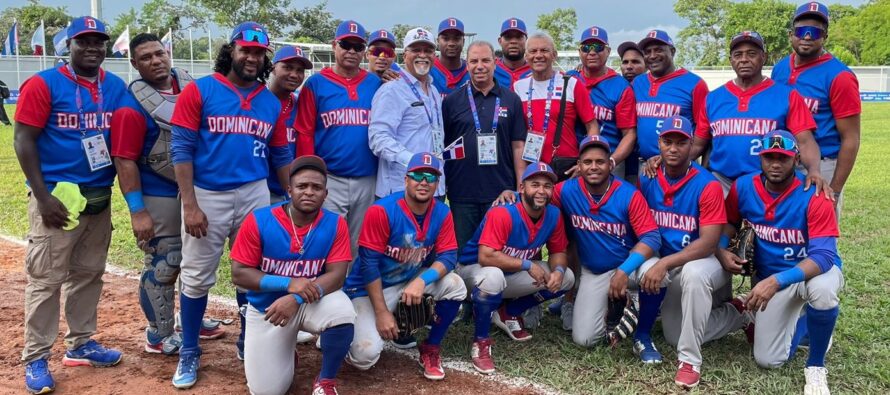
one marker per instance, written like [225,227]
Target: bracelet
[134,201]
[319,289]
[560,269]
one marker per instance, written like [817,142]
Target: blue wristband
[134,201]
[270,283]
[560,269]
[632,263]
[298,298]
[429,276]
[790,276]
[319,289]
[724,241]
[526,265]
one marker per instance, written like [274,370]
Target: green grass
[859,362]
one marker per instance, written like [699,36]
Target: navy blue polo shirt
[465,179]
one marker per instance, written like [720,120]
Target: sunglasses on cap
[348,46]
[779,142]
[808,32]
[595,47]
[419,177]
[255,36]
[382,52]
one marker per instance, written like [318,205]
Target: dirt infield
[121,325]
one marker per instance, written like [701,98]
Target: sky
[623,20]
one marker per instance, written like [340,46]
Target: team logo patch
[353,28]
[542,167]
[594,32]
[383,34]
[746,33]
[502,112]
[427,159]
[814,6]
[678,123]
[652,34]
[514,23]
[421,34]
[452,22]
[90,22]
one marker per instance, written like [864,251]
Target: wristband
[724,241]
[319,289]
[632,263]
[134,201]
[271,283]
[298,298]
[790,276]
[429,276]
[526,265]
[560,269]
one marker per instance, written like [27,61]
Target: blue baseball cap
[747,37]
[676,125]
[514,24]
[451,24]
[382,35]
[424,161]
[250,34]
[594,141]
[536,168]
[87,25]
[289,52]
[350,28]
[595,33]
[659,36]
[780,142]
[812,8]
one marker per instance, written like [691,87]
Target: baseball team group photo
[468,198]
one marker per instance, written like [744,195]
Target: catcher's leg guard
[156,286]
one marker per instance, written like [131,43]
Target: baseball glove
[626,326]
[411,318]
[742,245]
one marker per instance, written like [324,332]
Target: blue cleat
[187,370]
[93,354]
[646,350]
[38,379]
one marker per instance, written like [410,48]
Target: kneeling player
[407,249]
[507,239]
[797,268]
[292,258]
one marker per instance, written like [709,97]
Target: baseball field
[859,361]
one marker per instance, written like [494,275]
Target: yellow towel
[69,194]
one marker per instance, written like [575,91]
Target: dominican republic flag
[38,41]
[60,42]
[167,41]
[122,45]
[455,150]
[11,45]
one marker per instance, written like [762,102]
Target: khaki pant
[69,263]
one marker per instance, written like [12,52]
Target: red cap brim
[779,151]
[253,44]
[432,169]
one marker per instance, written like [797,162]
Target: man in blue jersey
[289,67]
[512,66]
[449,71]
[382,55]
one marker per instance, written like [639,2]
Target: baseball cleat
[324,387]
[646,350]
[187,370]
[512,326]
[93,354]
[481,354]
[210,328]
[739,303]
[168,345]
[531,318]
[567,314]
[817,381]
[431,362]
[38,379]
[405,342]
[688,375]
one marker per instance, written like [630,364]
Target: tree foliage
[770,18]
[561,25]
[315,23]
[863,35]
[702,42]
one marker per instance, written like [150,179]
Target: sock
[649,306]
[446,310]
[821,326]
[483,305]
[334,346]
[191,312]
[519,305]
[241,298]
[800,331]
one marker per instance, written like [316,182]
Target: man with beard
[632,63]
[796,263]
[226,127]
[830,91]
[382,55]
[497,263]
[289,67]
[449,70]
[407,249]
[512,67]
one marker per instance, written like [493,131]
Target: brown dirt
[121,325]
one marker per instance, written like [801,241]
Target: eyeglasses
[779,142]
[382,52]
[809,32]
[595,47]
[419,177]
[255,36]
[348,46]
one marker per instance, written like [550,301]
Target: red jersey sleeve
[583,105]
[844,96]
[279,134]
[641,219]
[556,199]
[702,123]
[446,241]
[128,129]
[375,229]
[821,220]
[558,241]
[497,228]
[626,110]
[187,113]
[711,208]
[248,248]
[304,122]
[699,93]
[341,250]
[732,206]
[800,118]
[34,103]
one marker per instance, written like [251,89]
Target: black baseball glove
[626,326]
[742,245]
[411,318]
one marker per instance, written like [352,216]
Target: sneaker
[555,308]
[431,362]
[512,326]
[481,354]
[239,353]
[405,342]
[156,344]
[568,311]
[688,375]
[532,317]
[318,342]
[324,387]
[817,381]
[210,328]
[187,369]
[304,337]
[645,349]
[92,353]
[38,379]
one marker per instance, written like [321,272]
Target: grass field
[859,362]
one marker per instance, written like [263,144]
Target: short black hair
[143,38]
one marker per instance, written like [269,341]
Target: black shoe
[405,342]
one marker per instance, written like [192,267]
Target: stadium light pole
[96,9]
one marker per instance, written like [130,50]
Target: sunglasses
[595,47]
[420,177]
[348,46]
[382,52]
[779,142]
[255,36]
[809,32]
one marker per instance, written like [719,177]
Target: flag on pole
[167,41]
[455,150]
[122,45]
[60,41]
[11,45]
[38,41]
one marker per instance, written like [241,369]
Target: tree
[399,30]
[315,23]
[863,35]
[770,18]
[561,25]
[269,13]
[702,42]
[121,22]
[29,17]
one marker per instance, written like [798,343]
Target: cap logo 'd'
[814,6]
[594,31]
[542,167]
[383,34]
[514,23]
[298,51]
[90,22]
[353,28]
[427,159]
[452,22]
[746,34]
[652,34]
[678,123]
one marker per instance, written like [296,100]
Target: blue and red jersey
[510,230]
[266,241]
[607,230]
[48,101]
[830,91]
[235,129]
[614,105]
[678,93]
[446,81]
[506,76]
[333,114]
[784,224]
[405,244]
[289,112]
[681,207]
[736,120]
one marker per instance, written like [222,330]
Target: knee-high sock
[800,332]
[446,310]
[192,312]
[334,346]
[821,326]
[649,306]
[241,298]
[483,305]
[519,305]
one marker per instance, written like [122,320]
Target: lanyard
[497,106]
[528,107]
[100,114]
[417,95]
